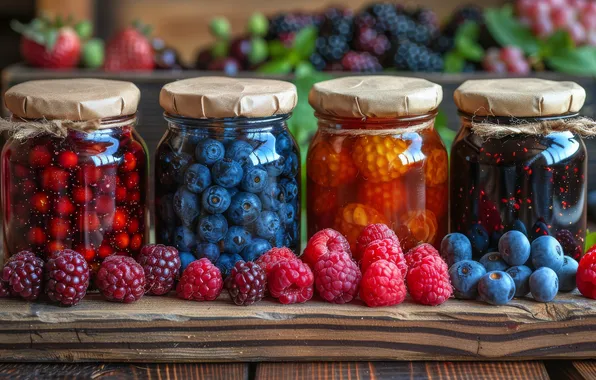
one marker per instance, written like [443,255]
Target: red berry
[371,233]
[54,246]
[337,278]
[291,281]
[129,162]
[104,204]
[120,220]
[136,241]
[107,183]
[414,255]
[105,250]
[36,236]
[200,281]
[569,244]
[120,194]
[322,243]
[267,260]
[59,228]
[87,252]
[21,171]
[386,249]
[67,277]
[40,202]
[63,206]
[121,279]
[88,221]
[382,285]
[54,178]
[82,195]
[133,225]
[88,175]
[68,159]
[121,240]
[428,281]
[133,197]
[40,156]
[161,265]
[23,275]
[131,180]
[246,283]
[129,50]
[62,54]
[28,187]
[586,274]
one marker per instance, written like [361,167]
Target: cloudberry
[380,158]
[436,200]
[436,167]
[388,197]
[330,164]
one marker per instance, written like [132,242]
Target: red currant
[41,203]
[131,180]
[120,220]
[129,162]
[54,246]
[68,159]
[134,197]
[59,228]
[133,226]
[87,252]
[40,156]
[63,206]
[36,236]
[54,178]
[104,204]
[88,221]
[105,250]
[82,195]
[120,194]
[121,240]
[136,242]
[89,175]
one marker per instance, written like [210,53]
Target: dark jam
[535,184]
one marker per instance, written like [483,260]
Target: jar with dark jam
[507,175]
[376,158]
[227,171]
[74,172]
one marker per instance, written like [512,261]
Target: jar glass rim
[506,120]
[251,122]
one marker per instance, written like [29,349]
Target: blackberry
[386,15]
[331,48]
[246,283]
[367,39]
[421,34]
[361,62]
[442,43]
[402,27]
[469,12]
[426,16]
[285,23]
[337,21]
[569,244]
[318,61]
[409,56]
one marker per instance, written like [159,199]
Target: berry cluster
[227,199]
[509,59]
[85,193]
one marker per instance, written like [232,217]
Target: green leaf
[51,36]
[304,42]
[590,240]
[304,69]
[279,66]
[454,62]
[508,31]
[557,43]
[466,42]
[580,61]
[277,49]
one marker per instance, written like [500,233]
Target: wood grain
[586,369]
[171,371]
[401,370]
[163,329]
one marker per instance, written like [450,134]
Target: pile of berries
[517,269]
[509,59]
[228,198]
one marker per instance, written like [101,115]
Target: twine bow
[21,129]
[581,126]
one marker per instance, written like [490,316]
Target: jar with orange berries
[519,162]
[74,170]
[376,158]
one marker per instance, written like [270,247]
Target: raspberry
[267,260]
[436,167]
[330,164]
[422,225]
[385,196]
[382,285]
[161,265]
[436,200]
[380,158]
[352,219]
[246,283]
[291,281]
[569,244]
[428,281]
[66,277]
[385,249]
[337,277]
[416,254]
[586,274]
[22,274]
[374,232]
[121,279]
[322,243]
[200,281]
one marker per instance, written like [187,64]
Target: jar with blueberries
[74,170]
[227,172]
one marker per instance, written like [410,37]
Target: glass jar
[85,191]
[227,188]
[533,183]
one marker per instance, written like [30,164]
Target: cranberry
[54,178]
[88,221]
[131,180]
[104,204]
[82,195]
[36,236]
[86,251]
[68,159]
[59,228]
[40,156]
[63,206]
[136,242]
[121,240]
[120,220]
[120,194]
[129,162]
[133,226]
[41,203]
[105,250]
[134,197]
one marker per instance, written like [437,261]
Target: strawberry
[129,50]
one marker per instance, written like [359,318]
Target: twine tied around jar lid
[378,132]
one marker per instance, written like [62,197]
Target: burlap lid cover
[72,99]
[375,97]
[519,97]
[221,97]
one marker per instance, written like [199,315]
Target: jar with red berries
[227,171]
[519,162]
[376,158]
[74,171]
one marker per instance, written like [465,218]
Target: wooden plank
[125,371]
[562,369]
[586,369]
[165,329]
[401,370]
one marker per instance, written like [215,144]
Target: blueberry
[280,239]
[165,209]
[456,247]
[518,225]
[255,249]
[494,240]
[175,166]
[283,144]
[239,151]
[186,206]
[184,239]
[538,229]
[567,274]
[254,180]
[185,259]
[521,276]
[236,239]
[209,151]
[493,261]
[496,288]
[291,166]
[514,248]
[226,262]
[216,199]
[289,188]
[208,250]
[268,224]
[465,275]
[244,208]
[479,239]
[227,173]
[276,167]
[272,196]
[547,252]
[287,213]
[197,178]
[232,191]
[212,228]
[544,284]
